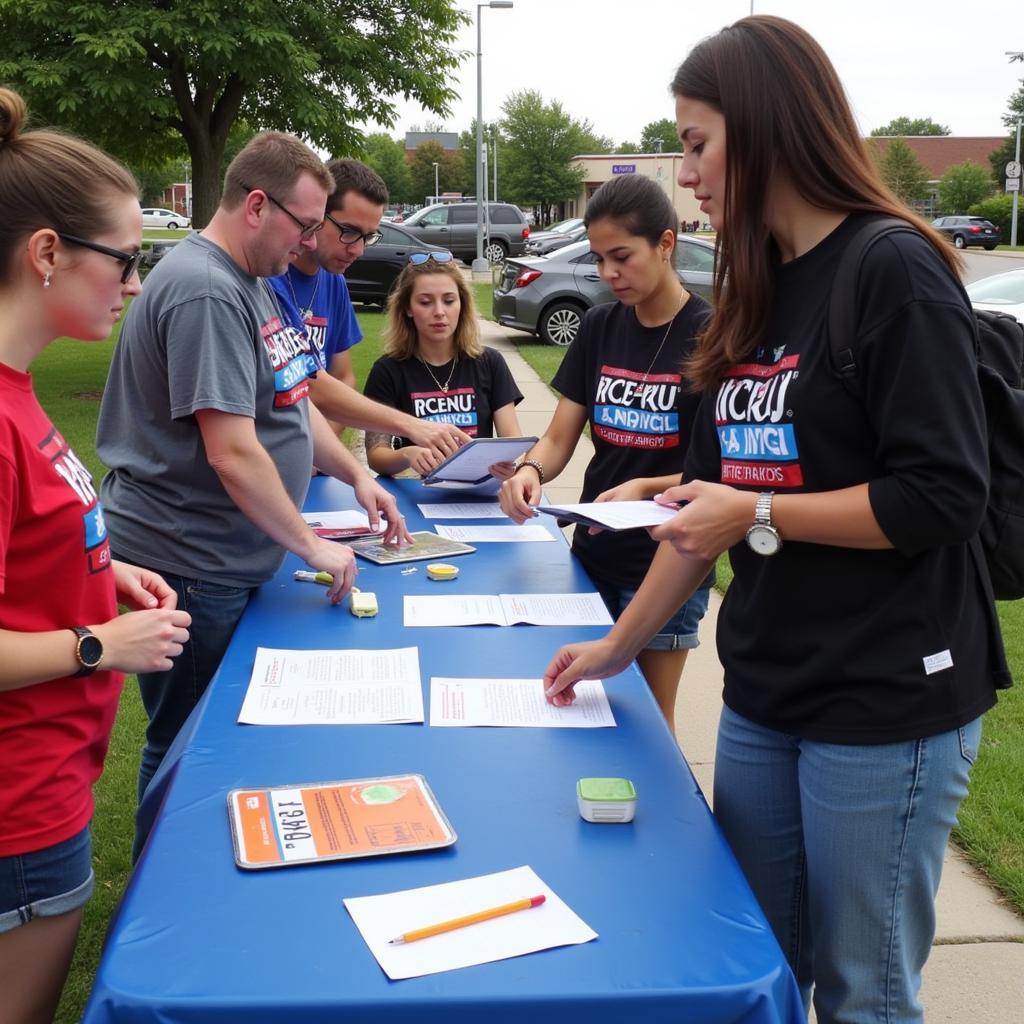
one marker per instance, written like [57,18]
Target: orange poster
[334,820]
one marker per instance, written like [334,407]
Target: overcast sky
[610,61]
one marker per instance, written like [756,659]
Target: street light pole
[1016,191]
[436,187]
[480,263]
[494,142]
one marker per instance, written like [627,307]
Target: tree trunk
[206,179]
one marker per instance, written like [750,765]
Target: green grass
[69,379]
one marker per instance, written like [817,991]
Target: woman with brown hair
[859,647]
[68,264]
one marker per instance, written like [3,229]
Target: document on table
[382,918]
[613,515]
[462,510]
[341,524]
[516,702]
[506,610]
[333,688]
[527,533]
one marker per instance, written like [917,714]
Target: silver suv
[453,226]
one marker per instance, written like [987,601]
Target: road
[979,264]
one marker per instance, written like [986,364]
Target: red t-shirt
[54,573]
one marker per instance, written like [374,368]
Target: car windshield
[563,227]
[1003,289]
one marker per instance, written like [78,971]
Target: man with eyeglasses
[206,428]
[313,291]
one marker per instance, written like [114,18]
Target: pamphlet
[425,545]
[341,525]
[470,464]
[311,822]
[613,515]
[516,703]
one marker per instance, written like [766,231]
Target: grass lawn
[69,379]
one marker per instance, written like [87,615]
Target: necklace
[444,387]
[305,312]
[664,337]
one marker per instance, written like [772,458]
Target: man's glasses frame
[308,230]
[350,235]
[131,260]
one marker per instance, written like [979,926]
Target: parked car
[155,252]
[155,218]
[453,226]
[965,231]
[548,295]
[555,237]
[371,277]
[1001,293]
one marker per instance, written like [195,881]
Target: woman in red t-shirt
[68,262]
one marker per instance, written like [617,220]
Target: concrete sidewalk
[976,970]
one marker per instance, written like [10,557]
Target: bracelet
[536,465]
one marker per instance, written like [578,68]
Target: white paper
[462,510]
[333,688]
[516,702]
[505,610]
[616,515]
[472,462]
[382,918]
[527,533]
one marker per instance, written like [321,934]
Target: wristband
[536,465]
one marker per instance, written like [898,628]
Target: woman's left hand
[501,470]
[140,588]
[715,518]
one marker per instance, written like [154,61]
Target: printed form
[516,702]
[333,688]
[506,610]
[462,510]
[524,534]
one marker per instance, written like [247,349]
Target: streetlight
[480,263]
[436,165]
[1015,56]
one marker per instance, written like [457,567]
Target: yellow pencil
[461,922]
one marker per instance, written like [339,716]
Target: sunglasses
[418,258]
[350,235]
[131,260]
[308,230]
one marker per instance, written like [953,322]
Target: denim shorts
[679,633]
[46,883]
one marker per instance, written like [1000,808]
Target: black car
[965,231]
[372,276]
[453,226]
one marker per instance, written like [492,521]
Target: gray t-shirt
[203,335]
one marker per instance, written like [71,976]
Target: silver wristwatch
[762,537]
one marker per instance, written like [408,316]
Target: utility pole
[1013,168]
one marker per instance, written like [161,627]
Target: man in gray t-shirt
[206,429]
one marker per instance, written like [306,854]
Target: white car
[1002,293]
[155,218]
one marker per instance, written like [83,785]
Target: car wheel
[172,225]
[989,248]
[495,252]
[960,242]
[560,324]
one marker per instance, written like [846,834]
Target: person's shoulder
[599,316]
[696,312]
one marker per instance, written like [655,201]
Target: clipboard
[310,822]
[469,464]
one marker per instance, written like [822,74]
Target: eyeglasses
[350,235]
[418,258]
[308,230]
[131,260]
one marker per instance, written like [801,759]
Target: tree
[387,157]
[903,172]
[450,172]
[964,185]
[999,210]
[663,131]
[138,76]
[1002,156]
[912,126]
[542,139]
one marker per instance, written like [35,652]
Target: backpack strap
[843,343]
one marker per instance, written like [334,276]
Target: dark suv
[453,226]
[967,231]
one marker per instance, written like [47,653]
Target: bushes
[999,210]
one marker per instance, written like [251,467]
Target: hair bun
[13,113]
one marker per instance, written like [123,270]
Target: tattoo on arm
[376,440]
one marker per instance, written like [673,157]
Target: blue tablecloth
[197,939]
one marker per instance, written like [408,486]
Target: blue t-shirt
[320,305]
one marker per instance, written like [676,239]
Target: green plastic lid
[605,790]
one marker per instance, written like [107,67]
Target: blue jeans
[169,697]
[679,633]
[843,847]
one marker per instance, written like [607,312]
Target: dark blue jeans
[169,697]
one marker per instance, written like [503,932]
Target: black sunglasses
[350,235]
[308,230]
[131,260]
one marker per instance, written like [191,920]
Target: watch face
[764,540]
[90,651]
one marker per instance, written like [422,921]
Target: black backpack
[999,346]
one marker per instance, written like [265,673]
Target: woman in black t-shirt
[623,375]
[435,368]
[859,646]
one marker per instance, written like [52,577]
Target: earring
[46,280]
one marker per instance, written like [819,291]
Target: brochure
[469,465]
[342,525]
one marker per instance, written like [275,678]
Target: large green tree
[663,131]
[1002,156]
[137,76]
[387,157]
[903,172]
[963,185]
[451,175]
[912,126]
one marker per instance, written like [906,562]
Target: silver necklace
[305,312]
[444,387]
[664,337]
